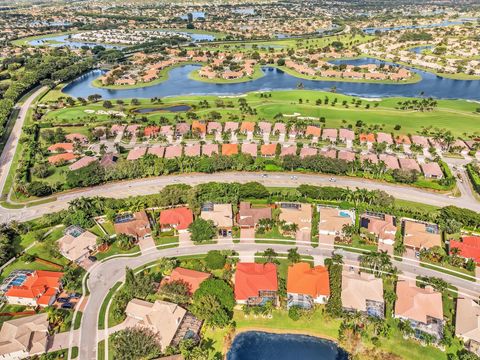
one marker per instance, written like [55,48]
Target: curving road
[154,185]
[104,275]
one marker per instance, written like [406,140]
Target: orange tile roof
[313,130]
[302,279]
[61,146]
[199,127]
[191,277]
[41,285]
[180,217]
[367,137]
[229,149]
[268,149]
[54,159]
[248,126]
[251,278]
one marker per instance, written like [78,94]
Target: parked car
[68,305]
[92,258]
[75,296]
[62,300]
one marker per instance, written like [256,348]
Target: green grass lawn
[115,250]
[274,234]
[164,240]
[103,308]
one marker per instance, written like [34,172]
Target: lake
[179,83]
[256,345]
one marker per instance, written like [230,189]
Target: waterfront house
[307,286]
[363,292]
[256,284]
[421,307]
[467,324]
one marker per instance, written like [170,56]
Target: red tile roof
[229,149]
[302,279]
[179,218]
[191,277]
[367,138]
[250,278]
[151,131]
[54,159]
[268,149]
[40,285]
[469,247]
[64,147]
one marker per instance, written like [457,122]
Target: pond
[419,49]
[179,83]
[173,108]
[256,345]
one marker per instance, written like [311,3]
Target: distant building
[307,286]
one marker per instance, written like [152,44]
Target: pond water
[65,40]
[179,83]
[195,15]
[419,49]
[256,345]
[174,108]
[373,30]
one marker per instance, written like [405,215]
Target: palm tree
[293,255]
[270,255]
[337,259]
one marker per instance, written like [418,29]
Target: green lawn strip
[115,250]
[74,352]
[283,263]
[161,241]
[103,308]
[450,270]
[41,202]
[101,350]
[78,320]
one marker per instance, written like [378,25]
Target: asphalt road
[10,148]
[104,275]
[154,185]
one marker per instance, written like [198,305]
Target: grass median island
[103,308]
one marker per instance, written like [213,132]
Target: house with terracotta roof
[230,126]
[209,149]
[166,130]
[151,131]
[108,160]
[24,337]
[299,214]
[432,170]
[384,138]
[229,149]
[402,140]
[363,292]
[423,308]
[265,127]
[346,136]
[390,161]
[136,225]
[307,151]
[61,147]
[418,235]
[250,149]
[60,158]
[409,164]
[181,129]
[173,151]
[156,150]
[77,137]
[328,153]
[373,158]
[39,289]
[288,150]
[330,135]
[421,141]
[467,324]
[247,127]
[83,162]
[256,284]
[383,226]
[214,127]
[77,244]
[178,218]
[468,248]
[279,128]
[192,278]
[307,286]
[268,150]
[136,153]
[346,155]
[199,128]
[221,215]
[249,217]
[367,138]
[192,150]
[313,132]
